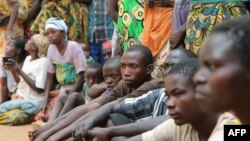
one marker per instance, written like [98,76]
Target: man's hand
[177,38]
[101,133]
[81,131]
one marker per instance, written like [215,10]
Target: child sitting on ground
[111,74]
[85,49]
[93,75]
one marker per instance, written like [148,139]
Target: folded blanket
[31,107]
[15,117]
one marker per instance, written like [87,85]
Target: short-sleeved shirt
[37,71]
[123,91]
[11,83]
[73,55]
[151,104]
[169,131]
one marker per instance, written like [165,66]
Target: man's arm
[135,104]
[98,117]
[54,127]
[128,130]
[113,9]
[177,38]
[14,11]
[33,12]
[79,83]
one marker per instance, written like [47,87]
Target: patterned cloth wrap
[130,22]
[203,18]
[65,73]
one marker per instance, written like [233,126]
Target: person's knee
[62,98]
[76,97]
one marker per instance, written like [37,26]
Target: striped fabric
[151,104]
[100,23]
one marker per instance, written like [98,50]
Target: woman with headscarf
[12,15]
[74,12]
[30,79]
[66,61]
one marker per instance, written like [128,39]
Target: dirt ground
[14,133]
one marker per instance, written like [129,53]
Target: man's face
[173,58]
[134,69]
[181,102]
[221,82]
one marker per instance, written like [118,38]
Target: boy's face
[106,53]
[134,70]
[181,102]
[92,76]
[112,75]
[221,80]
[85,49]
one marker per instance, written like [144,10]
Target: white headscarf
[56,23]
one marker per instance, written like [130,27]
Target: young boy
[65,102]
[106,50]
[136,69]
[111,74]
[85,49]
[189,122]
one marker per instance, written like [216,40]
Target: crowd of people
[134,70]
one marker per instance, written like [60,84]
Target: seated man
[223,79]
[136,69]
[189,122]
[151,104]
